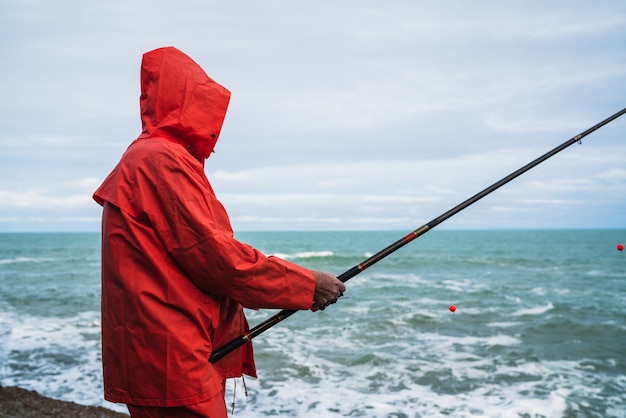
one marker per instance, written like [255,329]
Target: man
[174,280]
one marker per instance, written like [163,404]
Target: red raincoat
[173,277]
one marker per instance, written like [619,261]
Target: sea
[539,328]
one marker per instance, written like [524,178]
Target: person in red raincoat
[174,279]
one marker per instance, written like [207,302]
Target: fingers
[320,306]
[332,301]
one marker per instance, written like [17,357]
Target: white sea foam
[355,396]
[527,388]
[539,291]
[304,255]
[23,260]
[408,377]
[58,357]
[468,340]
[503,324]
[537,310]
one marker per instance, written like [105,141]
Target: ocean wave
[469,341]
[537,310]
[304,255]
[503,324]
[17,260]
[437,382]
[56,356]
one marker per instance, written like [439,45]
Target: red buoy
[452,308]
[620,247]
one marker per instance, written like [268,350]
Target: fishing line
[618,247]
[227,348]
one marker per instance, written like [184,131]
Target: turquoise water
[539,328]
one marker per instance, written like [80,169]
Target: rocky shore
[22,403]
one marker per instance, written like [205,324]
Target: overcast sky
[344,114]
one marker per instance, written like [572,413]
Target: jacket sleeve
[194,226]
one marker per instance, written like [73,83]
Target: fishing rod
[227,348]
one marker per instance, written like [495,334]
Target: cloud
[343,114]
[421,190]
[41,200]
[615,175]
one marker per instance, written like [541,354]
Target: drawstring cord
[232,405]
[245,391]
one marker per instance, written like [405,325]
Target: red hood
[180,102]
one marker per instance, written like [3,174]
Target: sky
[345,115]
